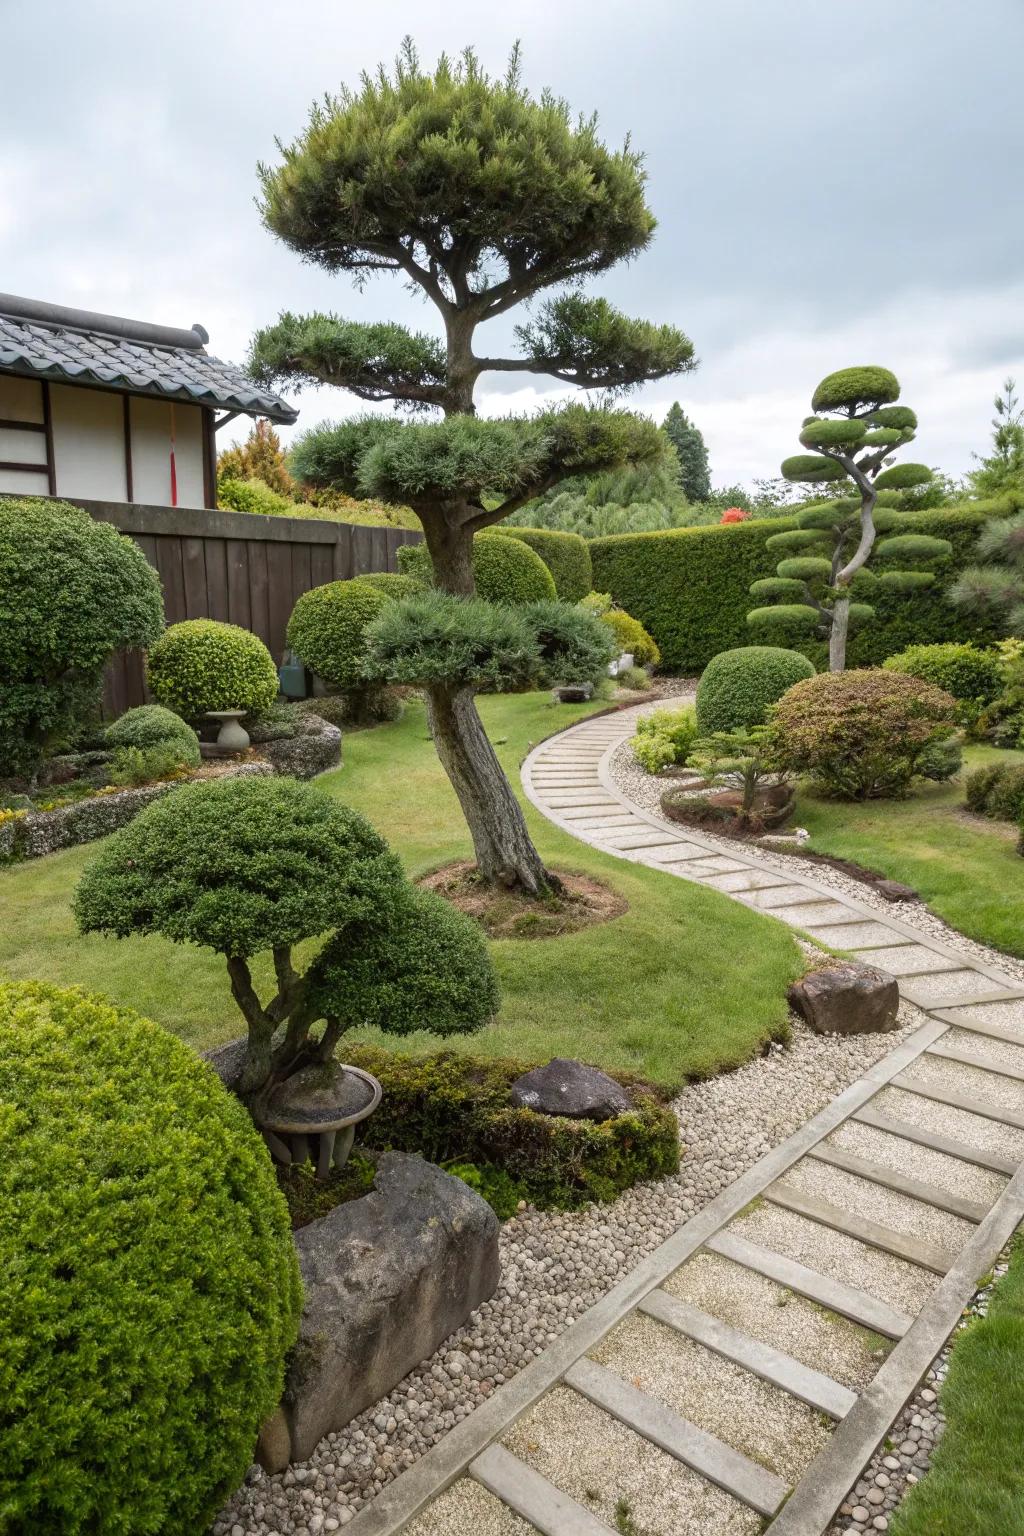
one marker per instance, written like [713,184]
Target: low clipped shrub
[422,965]
[859,735]
[505,570]
[997,790]
[574,645]
[201,665]
[253,496]
[566,556]
[72,592]
[634,678]
[449,1107]
[327,629]
[972,675]
[664,738]
[151,725]
[146,765]
[393,584]
[737,688]
[150,1288]
[630,636]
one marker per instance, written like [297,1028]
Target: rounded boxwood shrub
[421,964]
[862,734]
[150,1283]
[973,676]
[393,584]
[996,789]
[151,725]
[738,687]
[72,592]
[328,626]
[566,556]
[504,570]
[202,665]
[630,635]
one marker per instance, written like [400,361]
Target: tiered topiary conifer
[481,198]
[856,428]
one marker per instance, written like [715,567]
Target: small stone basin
[314,1113]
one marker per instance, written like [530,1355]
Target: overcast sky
[834,184]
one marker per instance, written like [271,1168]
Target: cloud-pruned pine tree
[481,198]
[855,429]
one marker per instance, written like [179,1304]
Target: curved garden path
[871,1226]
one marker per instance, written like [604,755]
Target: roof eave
[270,407]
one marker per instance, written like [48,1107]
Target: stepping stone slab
[906,1214]
[985,1050]
[972,1130]
[582,812]
[1002,1097]
[744,880]
[776,1316]
[716,864]
[815,914]
[467,1506]
[1008,1015]
[907,959]
[846,998]
[856,936]
[761,1421]
[918,1162]
[784,896]
[596,1460]
[678,853]
[649,838]
[932,991]
[904,1287]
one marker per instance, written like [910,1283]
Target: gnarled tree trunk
[504,853]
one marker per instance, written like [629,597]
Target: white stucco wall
[151,452]
[22,400]
[88,443]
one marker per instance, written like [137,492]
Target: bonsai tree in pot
[482,199]
[253,867]
[855,429]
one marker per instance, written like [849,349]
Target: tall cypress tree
[480,198]
[688,441]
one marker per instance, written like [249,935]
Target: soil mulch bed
[308,1198]
[892,890]
[512,915]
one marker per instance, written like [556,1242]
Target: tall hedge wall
[689,586]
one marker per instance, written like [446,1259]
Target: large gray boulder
[387,1278]
[314,747]
[847,998]
[566,1087]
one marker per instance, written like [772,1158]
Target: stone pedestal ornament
[232,736]
[314,1114]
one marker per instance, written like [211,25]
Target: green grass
[967,870]
[682,985]
[976,1483]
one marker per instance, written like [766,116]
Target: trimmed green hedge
[566,556]
[149,1288]
[450,1107]
[691,588]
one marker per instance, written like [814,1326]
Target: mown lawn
[965,868]
[682,985]
[976,1483]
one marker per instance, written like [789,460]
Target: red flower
[734,515]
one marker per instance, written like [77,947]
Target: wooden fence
[242,569]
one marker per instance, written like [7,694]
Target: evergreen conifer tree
[688,441]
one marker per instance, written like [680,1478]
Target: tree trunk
[504,853]
[838,633]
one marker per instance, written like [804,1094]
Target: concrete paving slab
[929,1164]
[1002,1097]
[967,1127]
[467,1506]
[819,913]
[946,987]
[1008,1015]
[901,1180]
[677,853]
[856,936]
[906,959]
[984,1050]
[782,896]
[745,880]
[546,1508]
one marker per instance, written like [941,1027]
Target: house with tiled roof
[99,408]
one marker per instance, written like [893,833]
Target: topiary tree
[201,665]
[688,441]
[327,631]
[737,688]
[483,198]
[72,592]
[244,866]
[150,1281]
[855,429]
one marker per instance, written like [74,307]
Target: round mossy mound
[151,1289]
[738,687]
[202,665]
